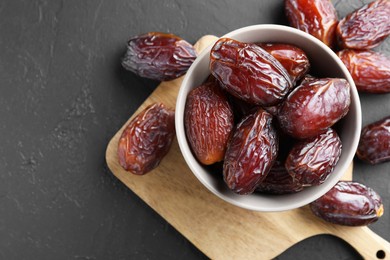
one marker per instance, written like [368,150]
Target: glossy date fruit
[278,181]
[374,144]
[366,27]
[314,106]
[208,121]
[370,70]
[293,59]
[316,17]
[146,139]
[311,161]
[248,72]
[158,56]
[349,203]
[251,152]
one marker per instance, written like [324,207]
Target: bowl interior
[325,64]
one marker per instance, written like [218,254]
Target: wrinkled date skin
[158,56]
[314,106]
[366,27]
[293,59]
[374,144]
[349,204]
[248,72]
[370,70]
[208,120]
[146,139]
[250,153]
[278,181]
[316,17]
[311,161]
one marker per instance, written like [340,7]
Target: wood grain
[219,229]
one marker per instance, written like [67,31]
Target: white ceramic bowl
[326,64]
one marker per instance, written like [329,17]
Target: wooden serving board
[217,228]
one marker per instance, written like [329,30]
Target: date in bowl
[324,63]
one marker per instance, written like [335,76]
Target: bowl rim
[194,164]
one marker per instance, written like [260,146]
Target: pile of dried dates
[353,38]
[260,119]
[266,118]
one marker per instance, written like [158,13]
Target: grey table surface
[63,95]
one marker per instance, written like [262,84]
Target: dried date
[311,161]
[314,106]
[366,27]
[208,120]
[146,139]
[248,72]
[374,144]
[158,56]
[370,70]
[251,152]
[316,17]
[293,59]
[278,181]
[350,204]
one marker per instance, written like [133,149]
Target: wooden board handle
[368,244]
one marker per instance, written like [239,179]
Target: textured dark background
[63,95]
